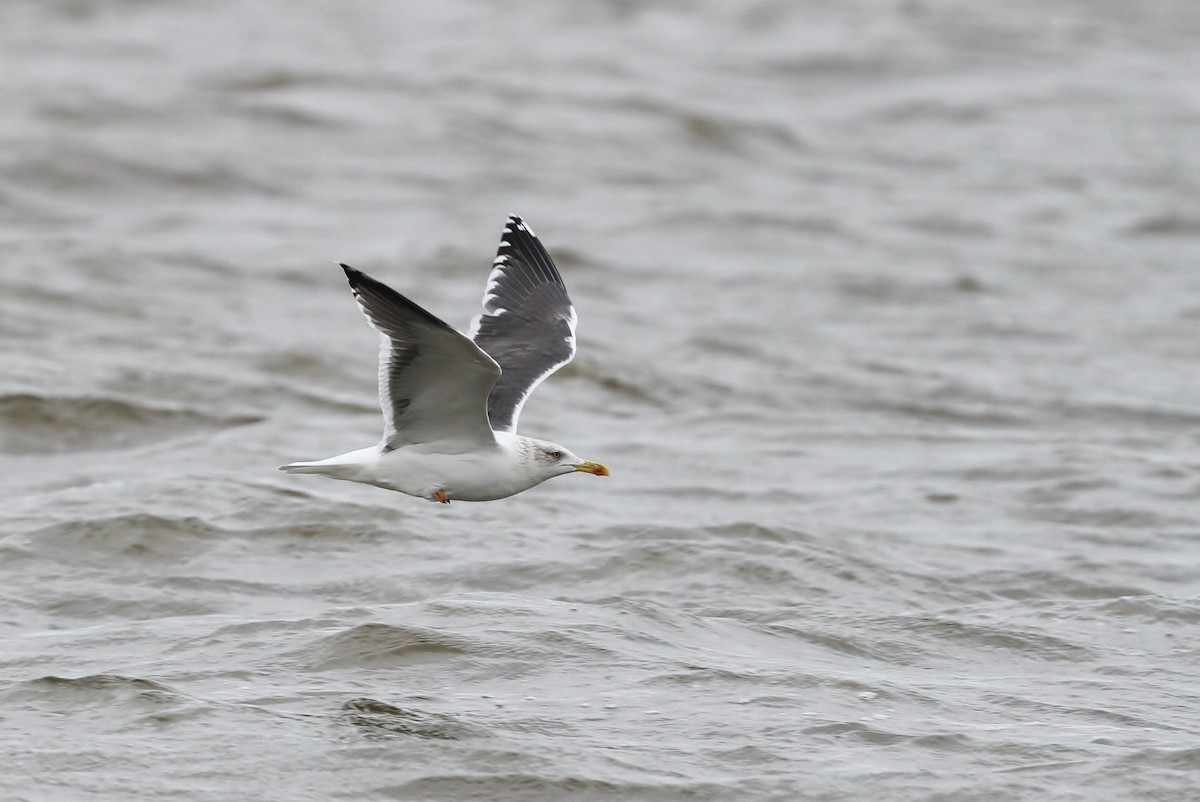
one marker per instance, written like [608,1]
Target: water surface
[888,330]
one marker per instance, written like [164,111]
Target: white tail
[343,466]
[307,467]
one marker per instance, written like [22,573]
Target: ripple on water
[378,645]
[535,786]
[33,424]
[375,719]
[67,695]
[1024,642]
[135,538]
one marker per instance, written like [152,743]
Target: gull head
[551,459]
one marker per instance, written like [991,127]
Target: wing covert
[433,381]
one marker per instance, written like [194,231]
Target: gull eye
[555,455]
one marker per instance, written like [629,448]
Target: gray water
[889,318]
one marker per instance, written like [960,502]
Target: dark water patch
[1115,718]
[749,560]
[808,225]
[726,678]
[216,586]
[910,160]
[1154,609]
[289,116]
[706,129]
[757,757]
[979,638]
[301,364]
[377,645]
[91,173]
[1034,756]
[194,387]
[738,347]
[1102,716]
[44,305]
[573,261]
[950,226]
[1065,489]
[886,289]
[1025,585]
[580,644]
[329,530]
[923,110]
[268,79]
[375,719]
[853,646]
[261,630]
[137,538]
[33,424]
[831,65]
[626,387]
[1165,225]
[12,555]
[725,134]
[855,731]
[751,615]
[72,694]
[1123,519]
[1012,330]
[538,788]
[309,377]
[1186,759]
[979,413]
[701,676]
[208,266]
[681,564]
[105,702]
[946,743]
[545,727]
[302,277]
[765,572]
[92,109]
[1127,417]
[750,530]
[289,381]
[379,589]
[120,603]
[1021,471]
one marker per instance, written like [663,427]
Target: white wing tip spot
[515,223]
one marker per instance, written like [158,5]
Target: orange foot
[441,496]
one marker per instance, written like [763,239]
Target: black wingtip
[515,224]
[360,282]
[355,277]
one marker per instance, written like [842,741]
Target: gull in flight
[451,402]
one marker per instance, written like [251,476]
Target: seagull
[451,401]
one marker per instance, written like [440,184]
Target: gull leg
[441,496]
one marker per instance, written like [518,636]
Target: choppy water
[889,333]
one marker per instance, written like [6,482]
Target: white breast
[481,475]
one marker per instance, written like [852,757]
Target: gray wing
[528,322]
[433,381]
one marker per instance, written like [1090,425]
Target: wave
[375,719]
[37,424]
[378,644]
[137,537]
